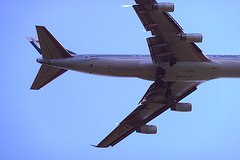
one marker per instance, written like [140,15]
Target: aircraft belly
[181,71]
[230,69]
[111,67]
[188,71]
[123,68]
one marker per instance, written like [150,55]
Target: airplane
[176,65]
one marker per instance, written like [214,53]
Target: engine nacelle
[183,107]
[192,37]
[164,7]
[147,129]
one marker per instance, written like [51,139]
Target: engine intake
[147,129]
[164,7]
[182,107]
[192,37]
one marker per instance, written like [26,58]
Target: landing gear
[159,83]
[159,75]
[168,93]
[160,72]
[173,61]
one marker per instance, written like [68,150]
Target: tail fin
[50,48]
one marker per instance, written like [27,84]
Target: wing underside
[166,42]
[153,104]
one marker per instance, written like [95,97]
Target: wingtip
[29,38]
[34,88]
[39,26]
[97,146]
[93,145]
[126,6]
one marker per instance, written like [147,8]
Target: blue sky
[63,119]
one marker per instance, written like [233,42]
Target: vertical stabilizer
[50,47]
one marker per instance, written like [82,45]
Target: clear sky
[63,119]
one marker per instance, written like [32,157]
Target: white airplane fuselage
[141,66]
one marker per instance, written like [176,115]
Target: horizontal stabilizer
[50,47]
[45,75]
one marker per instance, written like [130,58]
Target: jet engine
[192,37]
[164,7]
[183,107]
[147,129]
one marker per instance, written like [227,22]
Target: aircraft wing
[164,46]
[153,103]
[165,43]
